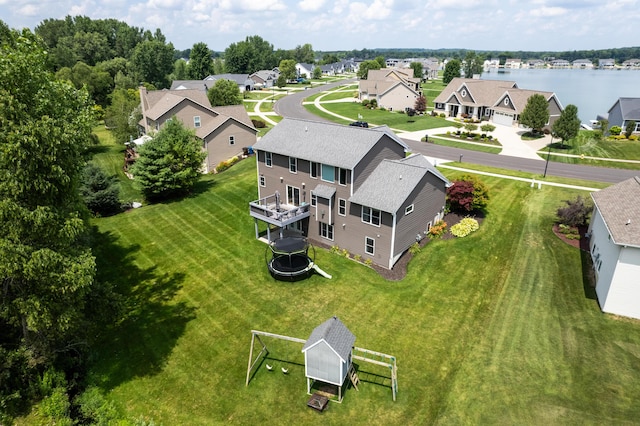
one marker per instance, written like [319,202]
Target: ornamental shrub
[615,130]
[467,194]
[575,212]
[465,227]
[438,229]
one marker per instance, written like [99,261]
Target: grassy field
[585,144]
[394,120]
[499,327]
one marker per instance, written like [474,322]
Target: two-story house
[392,88]
[224,130]
[345,186]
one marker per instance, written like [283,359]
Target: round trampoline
[288,258]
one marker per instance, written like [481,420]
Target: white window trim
[345,206]
[313,166]
[373,246]
[267,155]
[346,176]
[408,209]
[294,164]
[232,140]
[327,227]
[333,180]
[196,121]
[314,199]
[370,221]
[262,180]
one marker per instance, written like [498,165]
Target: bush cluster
[575,212]
[224,165]
[438,229]
[465,227]
[258,124]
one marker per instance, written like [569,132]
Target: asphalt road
[291,106]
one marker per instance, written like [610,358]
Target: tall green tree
[122,114]
[417,69]
[567,126]
[365,66]
[288,69]
[100,192]
[224,92]
[536,113]
[473,64]
[169,164]
[152,61]
[46,268]
[304,54]
[200,62]
[381,61]
[451,71]
[248,56]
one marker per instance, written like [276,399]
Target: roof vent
[628,222]
[306,129]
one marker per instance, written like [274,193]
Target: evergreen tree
[100,192]
[169,164]
[536,113]
[200,62]
[567,126]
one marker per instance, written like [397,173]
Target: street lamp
[548,154]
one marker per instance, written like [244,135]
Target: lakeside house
[345,186]
[615,247]
[498,101]
[622,112]
[224,130]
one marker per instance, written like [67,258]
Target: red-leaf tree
[467,194]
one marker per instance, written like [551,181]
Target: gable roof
[190,85]
[390,184]
[159,102]
[321,142]
[335,334]
[519,99]
[484,92]
[629,107]
[619,206]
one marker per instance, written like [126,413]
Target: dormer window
[196,121]
[506,101]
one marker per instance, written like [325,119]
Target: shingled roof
[335,334]
[321,142]
[619,206]
[392,182]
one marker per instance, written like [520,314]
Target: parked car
[359,124]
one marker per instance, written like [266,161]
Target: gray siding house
[346,186]
[624,111]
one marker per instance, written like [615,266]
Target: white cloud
[311,5]
[545,12]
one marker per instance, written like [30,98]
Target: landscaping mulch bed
[582,243]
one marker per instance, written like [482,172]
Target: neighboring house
[623,111]
[304,70]
[615,247]
[534,63]
[224,131]
[583,64]
[631,63]
[264,79]
[500,101]
[346,186]
[392,88]
[242,80]
[513,63]
[607,64]
[560,63]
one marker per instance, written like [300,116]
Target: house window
[293,164]
[293,195]
[328,173]
[313,170]
[267,159]
[232,140]
[342,207]
[506,101]
[371,216]
[326,231]
[314,199]
[409,209]
[342,175]
[369,245]
[196,121]
[263,181]
[463,93]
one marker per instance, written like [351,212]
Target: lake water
[592,91]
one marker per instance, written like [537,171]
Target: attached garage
[503,118]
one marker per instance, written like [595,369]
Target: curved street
[291,106]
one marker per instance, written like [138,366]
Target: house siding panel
[428,199]
[624,294]
[322,363]
[607,252]
[217,143]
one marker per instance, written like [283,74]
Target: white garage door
[502,118]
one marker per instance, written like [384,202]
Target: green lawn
[463,145]
[589,146]
[495,328]
[394,120]
[110,157]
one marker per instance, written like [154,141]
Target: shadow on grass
[149,323]
[588,277]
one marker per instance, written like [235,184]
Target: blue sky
[507,25]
